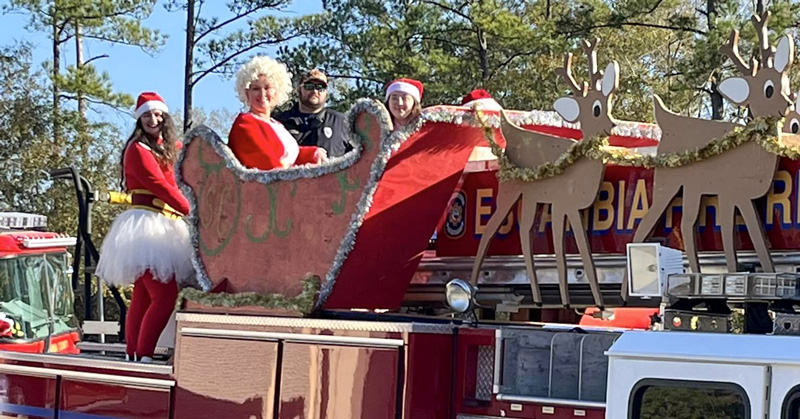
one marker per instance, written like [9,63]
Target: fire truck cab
[36,296]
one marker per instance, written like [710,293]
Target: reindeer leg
[557,220]
[660,204]
[582,240]
[661,201]
[506,198]
[691,210]
[727,221]
[526,219]
[756,231]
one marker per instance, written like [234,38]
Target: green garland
[303,302]
[764,131]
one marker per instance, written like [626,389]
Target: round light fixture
[460,295]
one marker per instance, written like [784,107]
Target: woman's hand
[320,156]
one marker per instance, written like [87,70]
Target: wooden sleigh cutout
[359,222]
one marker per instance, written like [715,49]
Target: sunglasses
[315,86]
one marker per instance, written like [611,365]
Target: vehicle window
[36,294]
[791,404]
[555,363]
[678,399]
[61,291]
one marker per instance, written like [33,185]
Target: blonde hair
[276,72]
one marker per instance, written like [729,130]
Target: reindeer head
[591,103]
[792,124]
[764,86]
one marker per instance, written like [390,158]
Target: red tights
[151,307]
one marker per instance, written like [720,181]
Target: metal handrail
[85,195]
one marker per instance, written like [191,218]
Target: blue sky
[133,71]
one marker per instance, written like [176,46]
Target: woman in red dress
[257,140]
[149,245]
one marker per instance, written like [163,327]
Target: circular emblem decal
[327,131]
[456,224]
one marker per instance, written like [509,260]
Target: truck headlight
[460,295]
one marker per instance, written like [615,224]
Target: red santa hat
[410,86]
[480,98]
[149,101]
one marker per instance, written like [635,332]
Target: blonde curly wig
[276,72]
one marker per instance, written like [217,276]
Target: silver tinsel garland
[465,116]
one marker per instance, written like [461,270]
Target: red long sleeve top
[143,171]
[265,145]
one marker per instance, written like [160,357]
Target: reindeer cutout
[568,193]
[792,124]
[736,177]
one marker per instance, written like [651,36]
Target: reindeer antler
[767,51]
[596,76]
[566,73]
[731,50]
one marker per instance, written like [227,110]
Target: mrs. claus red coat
[265,145]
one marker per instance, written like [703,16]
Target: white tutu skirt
[140,240]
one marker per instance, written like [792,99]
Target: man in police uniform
[310,122]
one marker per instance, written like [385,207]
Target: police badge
[328,132]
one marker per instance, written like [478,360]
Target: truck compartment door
[652,388]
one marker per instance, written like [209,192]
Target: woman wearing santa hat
[403,97]
[257,140]
[480,99]
[148,245]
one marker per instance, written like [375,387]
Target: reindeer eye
[795,124]
[769,89]
[596,108]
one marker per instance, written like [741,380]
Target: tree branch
[236,54]
[88,99]
[115,14]
[115,41]
[95,58]
[225,23]
[449,42]
[637,24]
[344,76]
[448,8]
[512,57]
[655,6]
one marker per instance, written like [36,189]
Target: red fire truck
[395,331]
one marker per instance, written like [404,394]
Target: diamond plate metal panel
[485,373]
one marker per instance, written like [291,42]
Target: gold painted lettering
[621,206]
[774,199]
[705,203]
[797,200]
[676,202]
[482,209]
[508,224]
[546,217]
[606,204]
[639,206]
